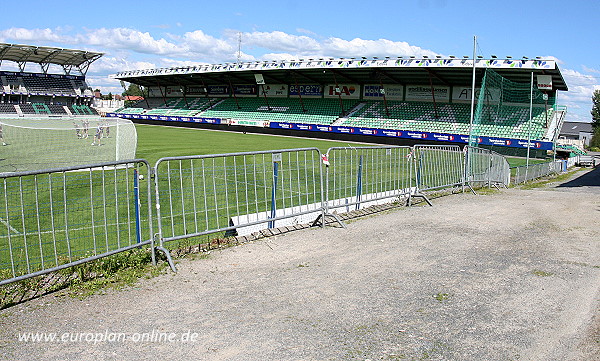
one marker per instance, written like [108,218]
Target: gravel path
[513,275]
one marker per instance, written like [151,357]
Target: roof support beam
[380,72]
[433,73]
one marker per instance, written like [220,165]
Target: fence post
[359,182]
[136,196]
[274,189]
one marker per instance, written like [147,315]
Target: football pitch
[59,217]
[155,142]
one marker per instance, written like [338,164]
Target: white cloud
[359,47]
[280,41]
[579,97]
[35,35]
[307,32]
[590,70]
[124,38]
[172,63]
[108,65]
[199,46]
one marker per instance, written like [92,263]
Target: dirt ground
[512,275]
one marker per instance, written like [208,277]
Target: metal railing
[486,167]
[237,193]
[365,176]
[436,168]
[58,218]
[524,174]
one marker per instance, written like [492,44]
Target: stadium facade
[389,100]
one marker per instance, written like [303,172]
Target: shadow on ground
[589,179]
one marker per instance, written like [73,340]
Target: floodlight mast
[471,142]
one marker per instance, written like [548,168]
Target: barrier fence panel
[54,219]
[523,174]
[364,176]
[237,193]
[486,167]
[438,167]
[572,161]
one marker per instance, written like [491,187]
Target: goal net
[36,143]
[508,109]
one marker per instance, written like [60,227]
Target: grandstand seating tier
[453,118]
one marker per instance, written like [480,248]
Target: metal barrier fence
[236,193]
[524,173]
[437,167]
[364,176]
[55,219]
[486,167]
[58,218]
[572,161]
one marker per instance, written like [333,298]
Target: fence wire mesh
[55,218]
[438,167]
[486,167]
[364,176]
[237,193]
[524,174]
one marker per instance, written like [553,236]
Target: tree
[595,142]
[134,90]
[596,108]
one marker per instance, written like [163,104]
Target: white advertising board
[424,93]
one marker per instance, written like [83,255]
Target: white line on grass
[10,228]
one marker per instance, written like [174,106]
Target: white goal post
[37,143]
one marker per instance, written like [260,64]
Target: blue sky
[150,34]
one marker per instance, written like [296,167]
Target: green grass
[518,162]
[541,273]
[544,181]
[155,142]
[44,222]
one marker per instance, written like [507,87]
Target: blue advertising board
[406,134]
[167,118]
[439,137]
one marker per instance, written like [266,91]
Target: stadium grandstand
[43,92]
[391,100]
[46,117]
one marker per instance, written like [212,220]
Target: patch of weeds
[303,265]
[201,245]
[116,271]
[487,190]
[200,255]
[541,273]
[441,297]
[542,182]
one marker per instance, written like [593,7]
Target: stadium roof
[45,56]
[437,71]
